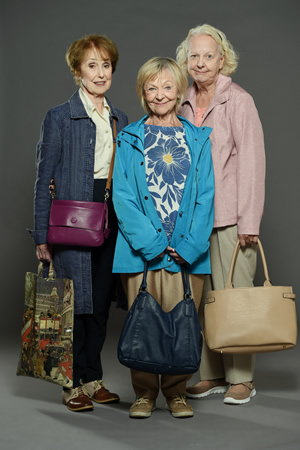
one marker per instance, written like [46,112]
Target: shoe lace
[141,400]
[79,391]
[98,384]
[180,399]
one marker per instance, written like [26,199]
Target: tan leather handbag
[250,320]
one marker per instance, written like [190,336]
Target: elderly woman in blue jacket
[163,198]
[75,149]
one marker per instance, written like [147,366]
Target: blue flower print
[167,164]
[170,161]
[169,224]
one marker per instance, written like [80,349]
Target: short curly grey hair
[225,48]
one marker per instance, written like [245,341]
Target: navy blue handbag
[161,342]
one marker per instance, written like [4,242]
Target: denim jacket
[66,152]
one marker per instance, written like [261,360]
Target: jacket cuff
[38,236]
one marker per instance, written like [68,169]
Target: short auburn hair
[77,50]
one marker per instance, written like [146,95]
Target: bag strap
[51,273]
[185,280]
[111,167]
[233,261]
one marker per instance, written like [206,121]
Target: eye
[107,65]
[209,56]
[92,66]
[193,56]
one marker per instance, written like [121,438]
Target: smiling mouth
[99,83]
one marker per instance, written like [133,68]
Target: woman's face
[204,59]
[161,93]
[95,72]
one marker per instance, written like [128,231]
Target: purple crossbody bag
[80,223]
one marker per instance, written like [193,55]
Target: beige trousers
[167,289]
[234,368]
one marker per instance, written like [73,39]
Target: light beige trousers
[167,289]
[234,368]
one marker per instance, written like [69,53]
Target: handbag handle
[51,274]
[185,281]
[233,261]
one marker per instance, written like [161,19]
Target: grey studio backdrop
[35,77]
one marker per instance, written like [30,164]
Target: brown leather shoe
[99,394]
[77,399]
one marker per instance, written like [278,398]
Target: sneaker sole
[215,390]
[234,401]
[179,415]
[141,415]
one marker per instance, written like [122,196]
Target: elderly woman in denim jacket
[239,167]
[75,149]
[163,197]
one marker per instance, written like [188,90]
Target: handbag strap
[51,274]
[185,280]
[233,261]
[111,167]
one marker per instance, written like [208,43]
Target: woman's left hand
[246,239]
[172,252]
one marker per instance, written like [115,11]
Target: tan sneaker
[238,394]
[179,407]
[207,387]
[142,407]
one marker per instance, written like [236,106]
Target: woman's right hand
[44,252]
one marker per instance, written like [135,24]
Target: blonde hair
[152,69]
[225,48]
[77,50]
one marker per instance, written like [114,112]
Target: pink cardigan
[238,154]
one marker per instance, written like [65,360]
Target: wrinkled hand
[44,252]
[247,239]
[172,252]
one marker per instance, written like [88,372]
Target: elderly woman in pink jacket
[238,154]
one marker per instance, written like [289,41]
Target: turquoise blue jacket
[141,236]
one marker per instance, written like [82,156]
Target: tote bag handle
[233,261]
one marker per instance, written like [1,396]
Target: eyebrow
[165,82]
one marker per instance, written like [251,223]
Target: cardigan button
[159,229]
[169,259]
[146,198]
[142,163]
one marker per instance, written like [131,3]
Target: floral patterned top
[168,162]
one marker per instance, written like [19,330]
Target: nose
[100,72]
[160,94]
[200,62]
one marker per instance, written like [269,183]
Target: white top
[104,138]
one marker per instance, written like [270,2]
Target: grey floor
[32,416]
